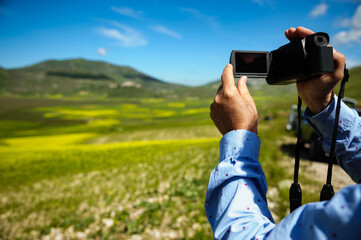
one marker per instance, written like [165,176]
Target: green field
[115,168]
[124,168]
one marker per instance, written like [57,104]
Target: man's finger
[242,86]
[243,90]
[227,77]
[290,33]
[303,32]
[296,33]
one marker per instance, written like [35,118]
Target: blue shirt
[236,203]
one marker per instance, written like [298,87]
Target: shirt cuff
[323,122]
[240,144]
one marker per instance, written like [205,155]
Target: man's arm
[236,203]
[340,217]
[348,142]
[319,98]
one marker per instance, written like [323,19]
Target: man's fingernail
[334,51]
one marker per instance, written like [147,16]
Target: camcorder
[299,60]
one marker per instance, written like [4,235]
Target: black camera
[298,60]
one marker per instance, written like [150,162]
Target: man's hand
[318,93]
[233,107]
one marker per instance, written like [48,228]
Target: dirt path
[314,170]
[312,177]
[318,171]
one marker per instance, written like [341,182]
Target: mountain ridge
[79,64]
[74,77]
[96,77]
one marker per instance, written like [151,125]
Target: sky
[180,41]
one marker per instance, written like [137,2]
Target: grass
[134,186]
[120,168]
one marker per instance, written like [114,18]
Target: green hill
[83,77]
[80,77]
[353,87]
[118,73]
[4,78]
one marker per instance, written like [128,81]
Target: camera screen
[251,62]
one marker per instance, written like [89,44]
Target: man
[236,203]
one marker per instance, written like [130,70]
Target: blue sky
[185,42]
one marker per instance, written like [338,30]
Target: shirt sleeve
[348,142]
[236,204]
[338,218]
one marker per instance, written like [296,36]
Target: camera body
[299,60]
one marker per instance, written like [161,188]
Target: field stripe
[109,146]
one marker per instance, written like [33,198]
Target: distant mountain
[80,77]
[83,77]
[4,78]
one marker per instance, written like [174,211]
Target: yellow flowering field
[117,169]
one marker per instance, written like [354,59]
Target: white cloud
[129,12]
[102,51]
[210,20]
[345,37]
[127,36]
[263,2]
[353,35]
[259,2]
[356,19]
[166,31]
[343,23]
[319,10]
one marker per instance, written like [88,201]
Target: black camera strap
[327,192]
[295,193]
